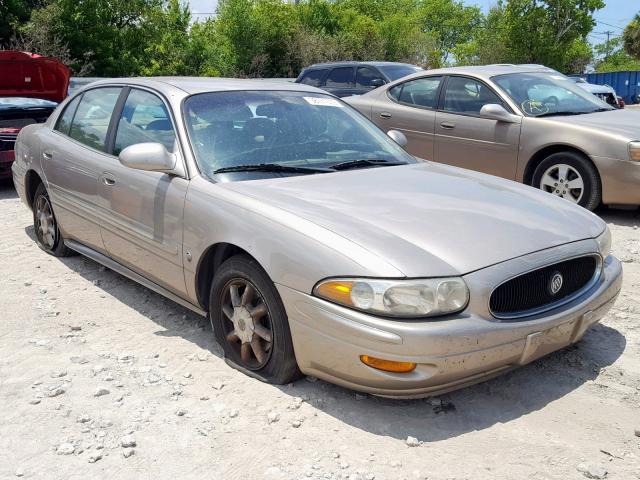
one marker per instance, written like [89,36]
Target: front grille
[531,292]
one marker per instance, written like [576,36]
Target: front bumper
[451,352]
[620,181]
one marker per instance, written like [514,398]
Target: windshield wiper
[549,114]
[364,162]
[271,167]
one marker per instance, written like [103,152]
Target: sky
[614,17]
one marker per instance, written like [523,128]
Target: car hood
[625,122]
[594,88]
[428,219]
[30,75]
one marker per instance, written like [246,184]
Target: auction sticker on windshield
[323,102]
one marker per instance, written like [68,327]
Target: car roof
[487,71]
[193,85]
[353,63]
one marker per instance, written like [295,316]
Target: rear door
[73,158]
[464,139]
[142,221]
[410,108]
[340,81]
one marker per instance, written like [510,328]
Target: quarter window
[64,121]
[91,121]
[340,77]
[144,119]
[313,78]
[467,96]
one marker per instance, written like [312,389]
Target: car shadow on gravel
[7,190]
[623,218]
[174,320]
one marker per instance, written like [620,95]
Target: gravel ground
[102,378]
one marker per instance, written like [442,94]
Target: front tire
[250,322]
[48,236]
[570,176]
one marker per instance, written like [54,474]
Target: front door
[143,221]
[464,139]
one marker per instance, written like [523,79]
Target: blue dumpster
[626,84]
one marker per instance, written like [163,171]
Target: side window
[64,121]
[340,77]
[365,75]
[144,119]
[467,96]
[91,121]
[421,92]
[313,77]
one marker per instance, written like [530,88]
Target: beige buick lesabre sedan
[525,123]
[311,240]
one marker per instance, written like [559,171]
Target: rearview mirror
[398,137]
[152,157]
[376,82]
[497,112]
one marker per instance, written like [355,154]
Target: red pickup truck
[31,87]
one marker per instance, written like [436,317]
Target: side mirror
[152,157]
[497,112]
[398,137]
[376,82]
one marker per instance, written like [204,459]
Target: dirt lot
[91,362]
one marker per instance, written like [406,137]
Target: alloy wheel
[563,181]
[247,323]
[45,222]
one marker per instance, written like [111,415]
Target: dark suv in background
[353,78]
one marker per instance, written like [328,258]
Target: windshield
[23,102]
[548,94]
[394,72]
[290,129]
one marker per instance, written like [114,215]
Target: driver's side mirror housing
[376,82]
[497,112]
[398,137]
[151,157]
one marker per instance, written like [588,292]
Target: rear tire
[571,176]
[48,236]
[250,322]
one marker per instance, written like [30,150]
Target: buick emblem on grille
[556,283]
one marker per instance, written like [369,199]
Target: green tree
[631,37]
[451,23]
[550,32]
[13,13]
[614,58]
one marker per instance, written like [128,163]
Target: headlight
[604,243]
[398,298]
[634,151]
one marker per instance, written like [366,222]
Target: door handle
[385,115]
[448,125]
[47,155]
[108,179]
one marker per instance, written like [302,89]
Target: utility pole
[608,33]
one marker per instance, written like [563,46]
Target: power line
[609,25]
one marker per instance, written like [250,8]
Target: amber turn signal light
[388,365]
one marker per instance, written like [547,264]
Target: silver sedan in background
[522,122]
[312,241]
